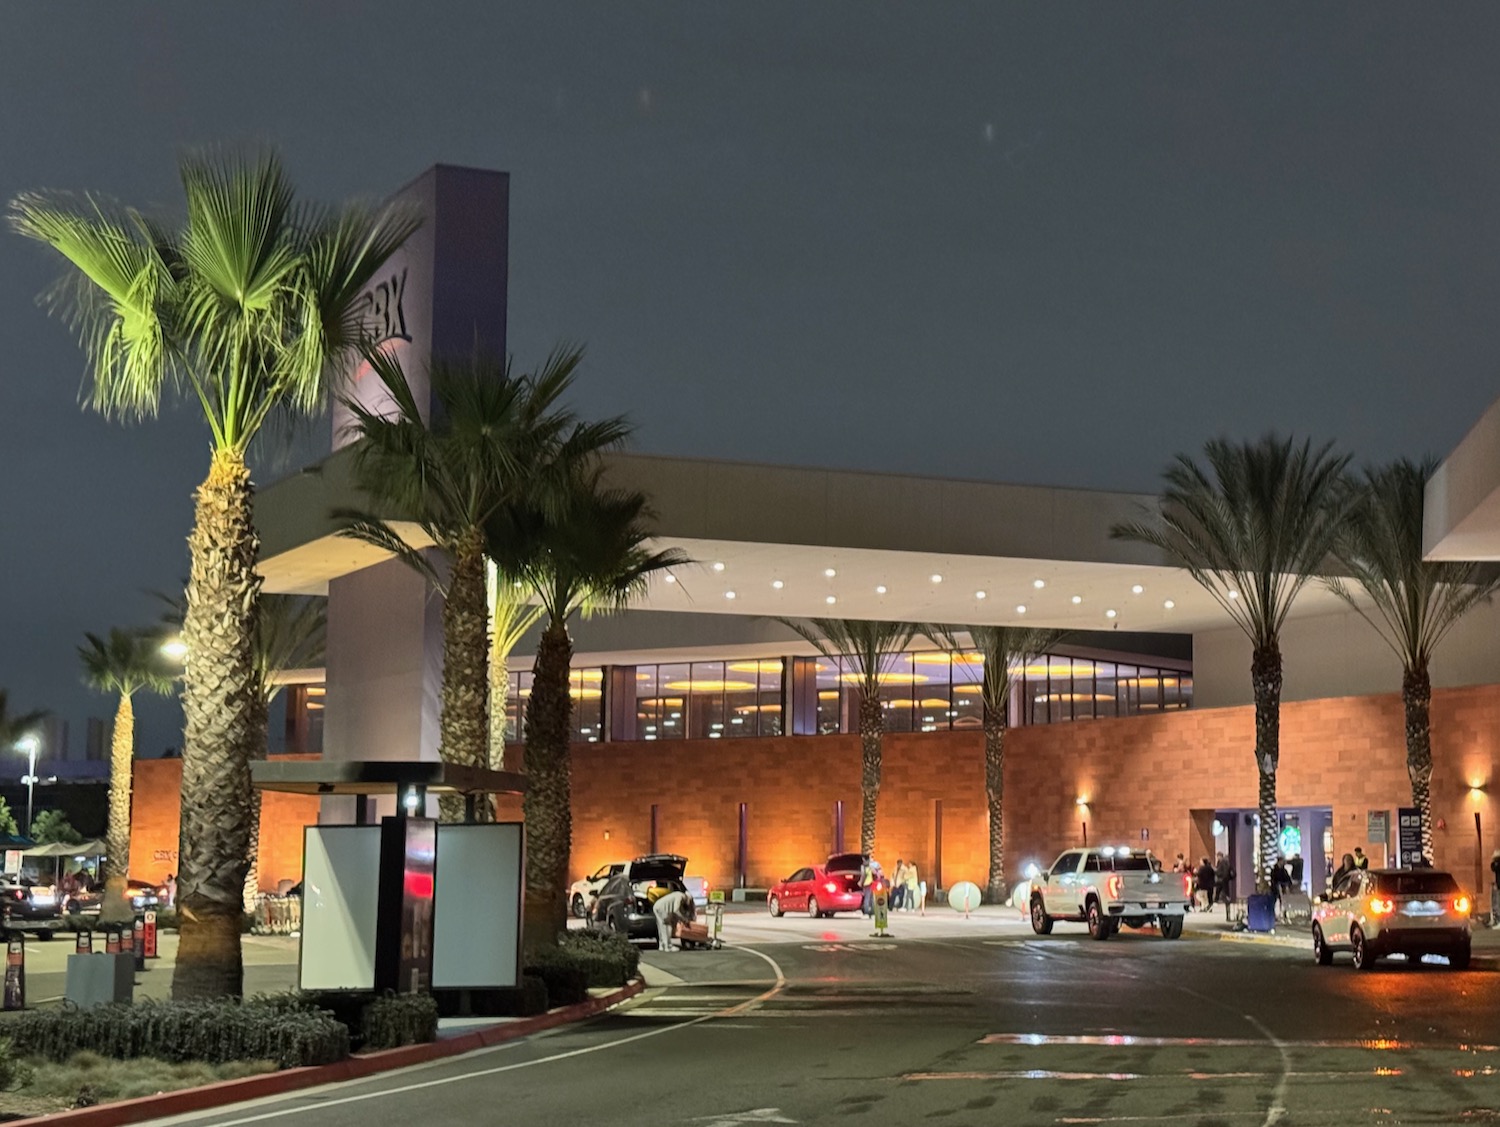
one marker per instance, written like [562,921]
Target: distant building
[95,742]
[53,731]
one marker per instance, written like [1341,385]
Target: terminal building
[706,727]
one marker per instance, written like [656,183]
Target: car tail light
[1461,905]
[18,894]
[1114,884]
[831,887]
[1187,885]
[1379,907]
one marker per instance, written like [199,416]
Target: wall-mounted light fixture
[1081,802]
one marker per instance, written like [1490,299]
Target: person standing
[866,885]
[1360,860]
[1203,885]
[1223,874]
[1281,880]
[1495,889]
[1179,865]
[898,886]
[913,888]
[673,908]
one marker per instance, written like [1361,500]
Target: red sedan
[819,890]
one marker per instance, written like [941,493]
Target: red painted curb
[226,1092]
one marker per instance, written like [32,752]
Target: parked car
[624,904]
[1105,887]
[143,894]
[699,888]
[582,893]
[1377,912]
[25,907]
[819,890]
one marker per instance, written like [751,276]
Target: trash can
[1260,912]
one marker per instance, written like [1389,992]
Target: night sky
[1050,244]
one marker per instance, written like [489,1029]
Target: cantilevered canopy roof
[380,776]
[1461,516]
[764,539]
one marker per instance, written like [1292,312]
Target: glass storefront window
[586,687]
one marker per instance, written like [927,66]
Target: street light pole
[29,745]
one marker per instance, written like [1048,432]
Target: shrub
[567,982]
[608,958]
[394,1020]
[215,1032]
[13,1073]
[532,996]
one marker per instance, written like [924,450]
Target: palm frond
[13,727]
[872,647]
[125,662]
[1003,649]
[293,635]
[372,530]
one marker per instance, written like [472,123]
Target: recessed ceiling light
[778,584]
[936,578]
[671,578]
[979,594]
[718,565]
[1109,614]
[831,600]
[1137,589]
[729,594]
[1234,594]
[1077,599]
[1039,583]
[1020,610]
[1169,604]
[880,590]
[829,572]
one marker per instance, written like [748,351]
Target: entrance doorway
[1305,833]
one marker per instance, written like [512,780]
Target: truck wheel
[1171,926]
[1041,922]
[1100,926]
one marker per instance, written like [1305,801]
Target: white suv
[1377,912]
[583,893]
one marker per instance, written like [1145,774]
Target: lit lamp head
[1477,789]
[28,745]
[1081,802]
[174,648]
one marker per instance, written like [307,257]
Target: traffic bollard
[83,942]
[882,914]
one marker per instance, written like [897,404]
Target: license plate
[1159,905]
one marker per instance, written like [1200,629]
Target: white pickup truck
[1105,887]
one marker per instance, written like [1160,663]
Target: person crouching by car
[670,910]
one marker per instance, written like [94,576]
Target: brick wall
[156,807]
[1149,773]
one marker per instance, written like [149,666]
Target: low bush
[12,1072]
[214,1032]
[532,998]
[609,959]
[566,981]
[394,1020]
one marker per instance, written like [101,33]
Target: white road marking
[1277,1111]
[732,1011]
[733,1118]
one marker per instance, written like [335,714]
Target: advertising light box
[340,900]
[477,931]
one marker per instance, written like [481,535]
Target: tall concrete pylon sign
[441,297]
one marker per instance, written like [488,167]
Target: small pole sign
[882,912]
[15,973]
[148,935]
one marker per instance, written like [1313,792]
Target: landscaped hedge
[215,1032]
[394,1020]
[607,958]
[566,981]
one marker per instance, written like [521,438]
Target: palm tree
[292,634]
[1251,527]
[1415,602]
[124,663]
[492,436]
[512,613]
[872,649]
[586,552]
[248,308]
[1004,650]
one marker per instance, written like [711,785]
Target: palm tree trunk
[261,726]
[499,699]
[1265,678]
[871,735]
[549,787]
[464,725]
[218,702]
[994,793]
[117,861]
[1416,695]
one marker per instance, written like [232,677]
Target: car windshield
[1416,884]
